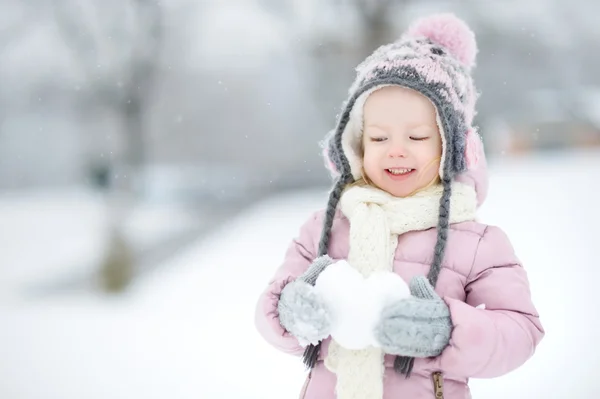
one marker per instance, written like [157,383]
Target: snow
[56,234]
[355,302]
[186,329]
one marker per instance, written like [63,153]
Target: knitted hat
[435,57]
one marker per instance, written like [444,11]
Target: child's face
[400,132]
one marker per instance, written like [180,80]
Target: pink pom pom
[450,32]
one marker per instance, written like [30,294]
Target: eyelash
[380,139]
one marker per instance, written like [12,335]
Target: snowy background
[157,158]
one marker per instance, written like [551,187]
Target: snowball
[356,303]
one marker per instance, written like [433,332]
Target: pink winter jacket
[480,268]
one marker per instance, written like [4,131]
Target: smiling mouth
[400,174]
[399,171]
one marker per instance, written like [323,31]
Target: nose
[397,150]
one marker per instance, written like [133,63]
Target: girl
[410,174]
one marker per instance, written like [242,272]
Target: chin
[400,192]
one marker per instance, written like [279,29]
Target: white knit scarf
[376,219]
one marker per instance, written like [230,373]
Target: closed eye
[378,139]
[419,138]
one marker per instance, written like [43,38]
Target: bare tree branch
[374,14]
[373,11]
[16,20]
[76,35]
[146,53]
[12,33]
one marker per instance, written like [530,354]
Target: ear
[326,152]
[473,149]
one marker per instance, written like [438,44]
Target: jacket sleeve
[300,253]
[491,342]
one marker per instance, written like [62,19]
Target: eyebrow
[387,128]
[377,126]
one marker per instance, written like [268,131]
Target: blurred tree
[360,26]
[116,46]
[374,16]
[14,23]
[532,68]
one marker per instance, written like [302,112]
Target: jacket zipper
[438,385]
[305,386]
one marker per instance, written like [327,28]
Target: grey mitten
[419,326]
[302,311]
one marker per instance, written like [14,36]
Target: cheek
[368,159]
[429,169]
[433,149]
[430,157]
[371,159]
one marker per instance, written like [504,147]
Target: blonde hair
[363,180]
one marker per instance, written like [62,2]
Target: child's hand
[302,311]
[419,326]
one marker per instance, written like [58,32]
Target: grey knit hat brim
[452,126]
